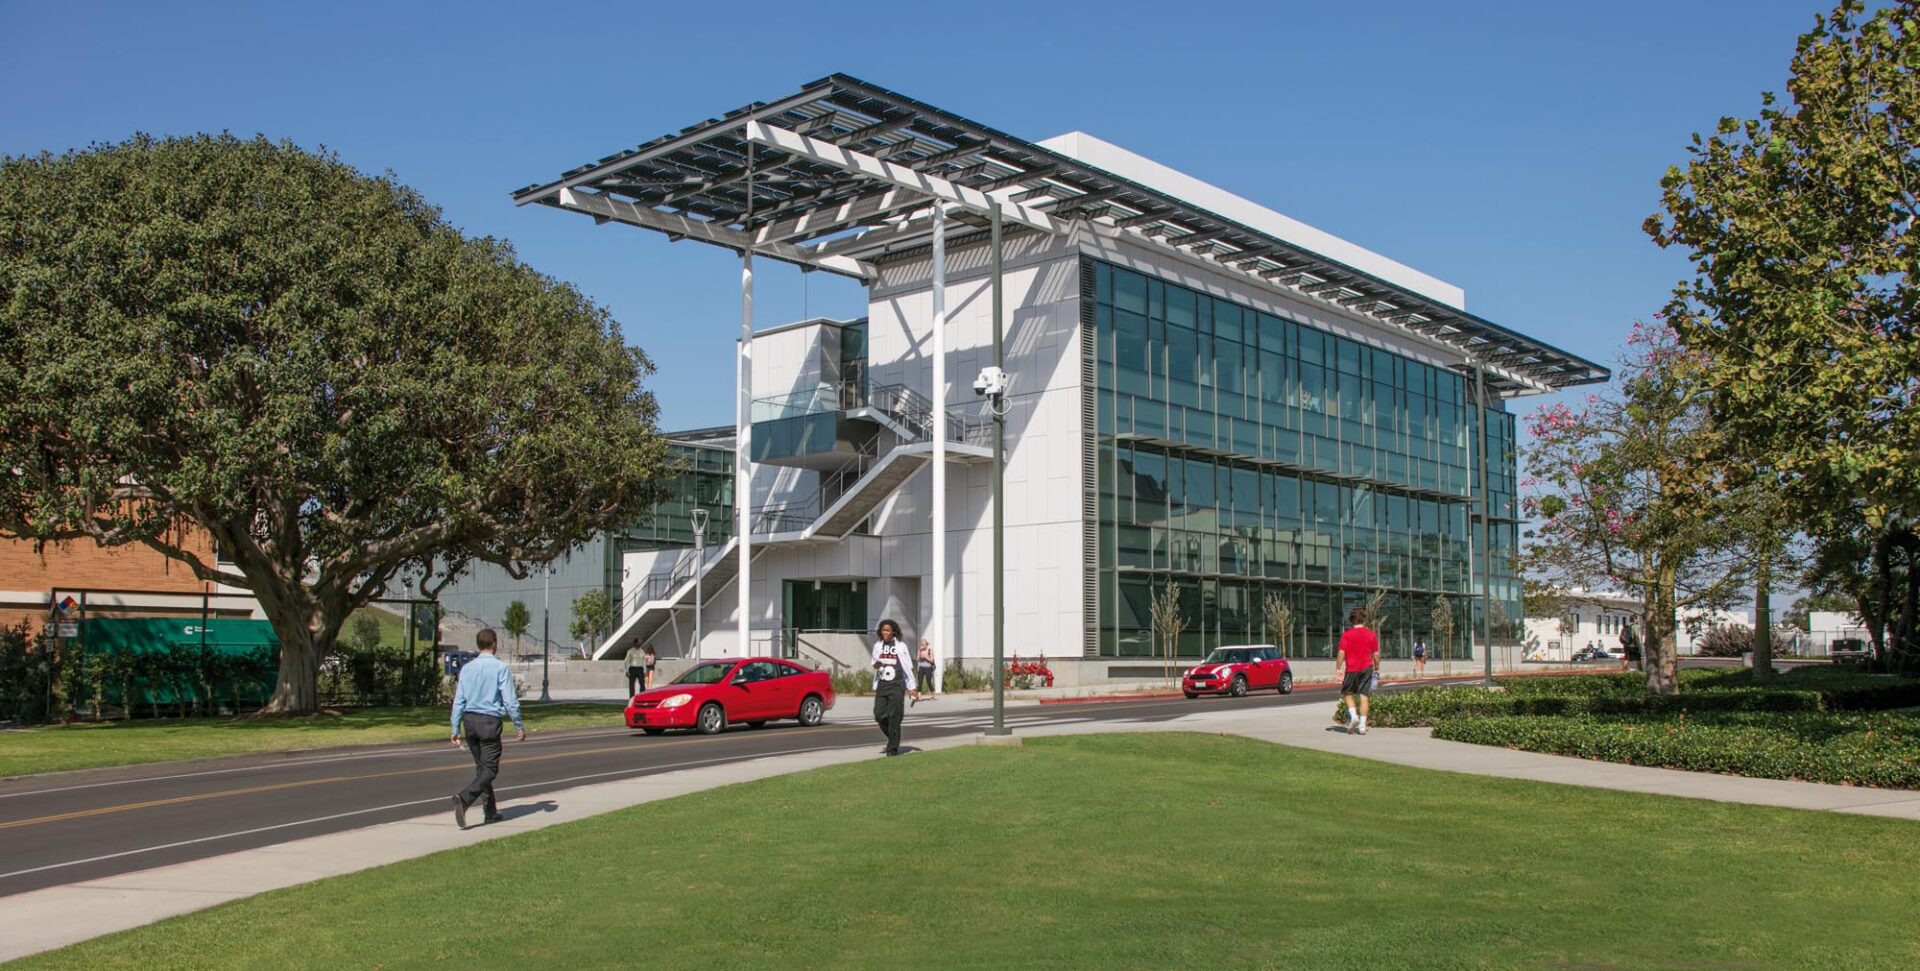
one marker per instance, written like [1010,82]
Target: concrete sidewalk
[57,916]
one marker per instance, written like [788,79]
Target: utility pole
[546,649]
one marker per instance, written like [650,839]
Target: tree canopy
[1801,224]
[307,363]
[1629,495]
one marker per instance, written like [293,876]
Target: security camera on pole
[992,385]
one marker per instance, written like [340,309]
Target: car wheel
[1190,695]
[1286,682]
[712,719]
[1239,686]
[812,712]
[654,731]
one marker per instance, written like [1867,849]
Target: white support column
[743,452]
[939,399]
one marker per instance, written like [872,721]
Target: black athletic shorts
[1358,682]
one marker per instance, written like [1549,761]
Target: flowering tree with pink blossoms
[1627,490]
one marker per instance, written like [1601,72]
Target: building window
[1243,456]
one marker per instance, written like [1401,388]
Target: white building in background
[1826,626]
[1204,393]
[1597,617]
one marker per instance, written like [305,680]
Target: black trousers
[636,676]
[483,743]
[889,709]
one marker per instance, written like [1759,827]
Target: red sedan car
[1237,670]
[712,694]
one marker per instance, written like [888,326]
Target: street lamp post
[546,650]
[699,574]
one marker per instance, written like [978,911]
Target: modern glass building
[1207,397]
[1244,456]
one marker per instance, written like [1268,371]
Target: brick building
[123,581]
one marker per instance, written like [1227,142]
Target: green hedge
[1804,690]
[1878,749]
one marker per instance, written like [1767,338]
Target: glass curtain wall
[703,478]
[1243,456]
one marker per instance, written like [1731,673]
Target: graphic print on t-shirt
[890,664]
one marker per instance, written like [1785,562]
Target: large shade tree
[308,364]
[1803,226]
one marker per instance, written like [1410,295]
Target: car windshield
[708,673]
[1223,656]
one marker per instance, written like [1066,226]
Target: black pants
[483,742]
[636,676]
[889,709]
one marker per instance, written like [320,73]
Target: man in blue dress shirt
[484,694]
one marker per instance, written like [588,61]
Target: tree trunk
[1901,657]
[1876,614]
[307,629]
[1662,662]
[1763,618]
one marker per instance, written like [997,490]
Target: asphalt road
[82,826]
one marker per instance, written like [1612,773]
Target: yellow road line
[250,790]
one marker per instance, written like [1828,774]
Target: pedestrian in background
[636,670]
[653,661]
[892,681]
[1630,647]
[924,667]
[1419,656]
[484,695]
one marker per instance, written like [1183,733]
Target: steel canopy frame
[848,171]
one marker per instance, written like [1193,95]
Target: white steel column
[743,434]
[743,451]
[939,398]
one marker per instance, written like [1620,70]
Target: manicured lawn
[54,748]
[1110,851]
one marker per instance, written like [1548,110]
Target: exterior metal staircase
[846,499]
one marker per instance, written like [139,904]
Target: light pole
[998,409]
[546,650]
[699,573]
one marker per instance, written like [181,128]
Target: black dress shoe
[460,812]
[495,818]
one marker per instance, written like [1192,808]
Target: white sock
[1353,714]
[1363,721]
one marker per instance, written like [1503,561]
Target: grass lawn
[1163,851]
[88,746]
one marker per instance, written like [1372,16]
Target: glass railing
[796,404]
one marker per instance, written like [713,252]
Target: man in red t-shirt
[1359,652]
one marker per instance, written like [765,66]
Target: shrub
[958,678]
[1731,640]
[1879,749]
[1805,690]
[30,673]
[853,681]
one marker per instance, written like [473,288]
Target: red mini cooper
[1238,670]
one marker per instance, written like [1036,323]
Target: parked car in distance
[1237,670]
[1594,654]
[1850,650]
[714,694]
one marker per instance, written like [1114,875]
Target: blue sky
[1510,148]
